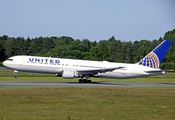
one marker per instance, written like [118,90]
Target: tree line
[111,50]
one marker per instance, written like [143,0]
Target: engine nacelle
[69,74]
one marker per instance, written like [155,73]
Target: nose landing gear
[15,73]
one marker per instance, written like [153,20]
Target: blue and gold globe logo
[151,60]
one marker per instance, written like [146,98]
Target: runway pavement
[76,84]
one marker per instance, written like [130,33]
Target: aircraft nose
[4,63]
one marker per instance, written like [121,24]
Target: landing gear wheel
[89,81]
[80,81]
[84,81]
[16,76]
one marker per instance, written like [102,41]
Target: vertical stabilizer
[155,57]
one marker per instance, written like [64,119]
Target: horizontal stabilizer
[153,71]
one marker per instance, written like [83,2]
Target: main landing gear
[15,72]
[84,80]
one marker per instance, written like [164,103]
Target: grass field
[88,103]
[150,79]
[7,75]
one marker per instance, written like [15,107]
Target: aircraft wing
[95,71]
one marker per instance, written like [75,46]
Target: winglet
[155,57]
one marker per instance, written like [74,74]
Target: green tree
[19,46]
[64,40]
[80,47]
[48,44]
[115,50]
[170,35]
[87,43]
[9,47]
[93,44]
[2,49]
[76,42]
[111,39]
[86,55]
[136,56]
[36,46]
[26,46]
[75,54]
[94,53]
[128,50]
[103,50]
[4,37]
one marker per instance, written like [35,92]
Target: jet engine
[69,74]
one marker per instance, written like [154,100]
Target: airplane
[71,68]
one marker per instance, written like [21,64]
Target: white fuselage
[58,65]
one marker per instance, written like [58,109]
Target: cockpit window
[10,59]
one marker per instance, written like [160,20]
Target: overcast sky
[126,20]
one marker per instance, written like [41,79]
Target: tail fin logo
[154,58]
[151,60]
